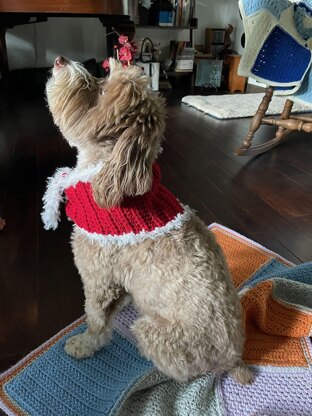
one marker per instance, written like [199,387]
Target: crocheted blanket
[278,45]
[277,302]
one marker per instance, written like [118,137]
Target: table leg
[4,64]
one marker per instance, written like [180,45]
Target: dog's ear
[128,171]
[139,115]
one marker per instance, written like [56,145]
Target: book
[166,18]
[184,58]
[185,19]
[184,64]
[184,10]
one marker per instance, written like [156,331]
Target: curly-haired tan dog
[190,315]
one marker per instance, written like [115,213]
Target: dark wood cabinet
[233,81]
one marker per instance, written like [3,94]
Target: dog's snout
[60,62]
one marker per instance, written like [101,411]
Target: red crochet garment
[140,213]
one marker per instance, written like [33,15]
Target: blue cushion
[281,59]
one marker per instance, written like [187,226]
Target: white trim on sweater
[63,178]
[132,238]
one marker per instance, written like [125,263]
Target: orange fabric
[273,317]
[264,349]
[274,331]
[243,258]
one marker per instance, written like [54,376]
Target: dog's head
[117,118]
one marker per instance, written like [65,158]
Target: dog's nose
[60,61]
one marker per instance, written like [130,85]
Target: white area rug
[238,105]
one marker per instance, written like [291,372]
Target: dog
[132,237]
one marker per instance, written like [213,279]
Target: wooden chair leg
[256,122]
[285,123]
[285,126]
[284,116]
[4,66]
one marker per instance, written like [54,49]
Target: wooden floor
[268,198]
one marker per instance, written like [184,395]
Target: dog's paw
[79,346]
[242,374]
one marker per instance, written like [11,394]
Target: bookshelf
[166,14]
[189,28]
[170,15]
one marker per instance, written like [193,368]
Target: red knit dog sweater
[146,213]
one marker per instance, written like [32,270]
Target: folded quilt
[278,43]
[117,381]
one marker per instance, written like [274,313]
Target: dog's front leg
[101,309]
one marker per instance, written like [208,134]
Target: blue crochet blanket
[278,50]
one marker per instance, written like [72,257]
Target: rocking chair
[278,53]
[286,123]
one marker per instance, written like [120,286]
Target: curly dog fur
[190,314]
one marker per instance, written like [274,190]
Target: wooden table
[112,13]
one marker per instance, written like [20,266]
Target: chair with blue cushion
[278,53]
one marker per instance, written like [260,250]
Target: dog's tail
[241,373]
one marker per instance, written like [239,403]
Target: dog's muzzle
[60,62]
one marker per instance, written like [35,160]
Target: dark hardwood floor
[268,199]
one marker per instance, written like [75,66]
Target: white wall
[37,45]
[218,14]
